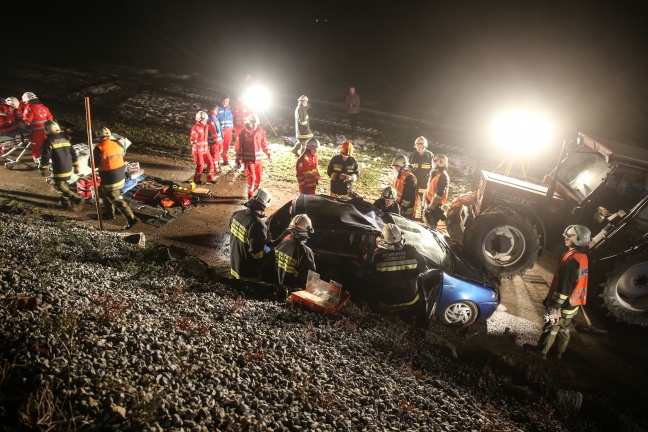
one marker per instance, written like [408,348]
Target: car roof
[328,212]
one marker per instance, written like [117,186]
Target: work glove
[266,249]
[237,166]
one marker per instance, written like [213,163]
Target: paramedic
[226,120]
[251,147]
[199,150]
[308,175]
[249,238]
[36,114]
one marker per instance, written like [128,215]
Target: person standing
[36,114]
[396,267]
[387,201]
[302,125]
[308,175]
[421,161]
[343,171]
[200,150]
[293,259]
[568,291]
[226,120]
[64,161]
[249,152]
[215,138]
[240,112]
[109,159]
[352,104]
[406,186]
[437,192]
[249,238]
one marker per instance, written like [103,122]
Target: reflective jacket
[307,172]
[252,145]
[406,192]
[198,138]
[396,274]
[109,159]
[569,282]
[248,237]
[422,167]
[240,112]
[293,259]
[439,185]
[225,116]
[58,148]
[302,123]
[37,114]
[7,119]
[338,166]
[215,134]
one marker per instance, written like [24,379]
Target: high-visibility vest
[433,191]
[578,295]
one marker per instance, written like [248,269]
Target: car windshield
[583,172]
[423,241]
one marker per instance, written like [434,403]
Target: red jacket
[252,145]
[307,171]
[7,118]
[240,112]
[37,115]
[198,138]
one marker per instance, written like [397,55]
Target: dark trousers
[353,119]
[113,199]
[67,196]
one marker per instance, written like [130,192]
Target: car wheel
[459,314]
[453,219]
[502,242]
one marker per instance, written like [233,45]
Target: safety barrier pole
[92,164]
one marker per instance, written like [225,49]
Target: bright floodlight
[521,132]
[257,98]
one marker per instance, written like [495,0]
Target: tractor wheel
[453,222]
[502,242]
[625,292]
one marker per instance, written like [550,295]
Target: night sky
[583,63]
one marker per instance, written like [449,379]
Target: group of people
[51,147]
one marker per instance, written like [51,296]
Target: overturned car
[346,233]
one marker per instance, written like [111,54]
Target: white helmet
[421,140]
[301,224]
[389,193]
[104,132]
[252,119]
[201,115]
[303,98]
[261,198]
[400,161]
[312,143]
[392,237]
[51,127]
[441,161]
[12,101]
[26,97]
[578,234]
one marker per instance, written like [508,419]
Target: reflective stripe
[239,231]
[401,305]
[287,263]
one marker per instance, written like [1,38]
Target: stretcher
[16,149]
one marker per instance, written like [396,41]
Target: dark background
[581,63]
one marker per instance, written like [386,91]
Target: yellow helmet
[347,148]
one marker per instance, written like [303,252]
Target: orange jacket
[438,188]
[307,172]
[570,281]
[109,159]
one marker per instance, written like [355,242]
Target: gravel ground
[120,337]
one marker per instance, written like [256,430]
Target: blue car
[347,232]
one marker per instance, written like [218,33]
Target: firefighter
[64,161]
[35,114]
[406,186]
[568,291]
[214,138]
[397,266]
[308,175]
[343,171]
[302,125]
[387,201]
[437,192]
[421,161]
[199,150]
[109,159]
[293,258]
[226,120]
[249,238]
[249,151]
